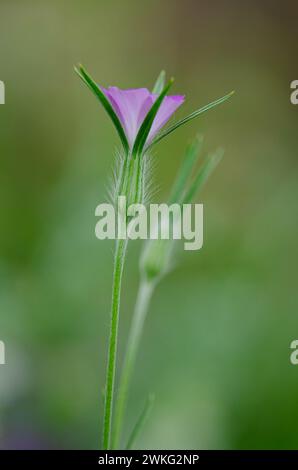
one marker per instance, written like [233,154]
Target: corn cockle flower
[139,117]
[132,106]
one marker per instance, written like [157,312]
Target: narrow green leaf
[105,102]
[160,83]
[148,121]
[191,155]
[140,422]
[203,174]
[190,117]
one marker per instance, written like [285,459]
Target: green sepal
[203,174]
[140,422]
[88,80]
[160,83]
[148,121]
[191,155]
[191,116]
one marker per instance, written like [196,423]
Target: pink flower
[132,106]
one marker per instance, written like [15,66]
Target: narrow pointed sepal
[191,116]
[88,80]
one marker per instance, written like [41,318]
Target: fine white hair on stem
[114,179]
[149,170]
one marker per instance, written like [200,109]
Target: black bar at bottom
[130,459]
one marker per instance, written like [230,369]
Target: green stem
[141,308]
[111,364]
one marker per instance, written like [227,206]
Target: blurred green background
[217,342]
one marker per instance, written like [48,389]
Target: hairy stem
[111,364]
[141,308]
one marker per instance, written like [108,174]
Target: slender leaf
[140,422]
[160,83]
[191,116]
[105,102]
[203,174]
[148,121]
[191,155]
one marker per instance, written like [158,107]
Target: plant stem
[143,299]
[111,364]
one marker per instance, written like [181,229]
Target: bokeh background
[216,347]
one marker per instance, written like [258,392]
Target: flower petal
[131,106]
[169,105]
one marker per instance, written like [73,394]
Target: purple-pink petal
[169,105]
[132,106]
